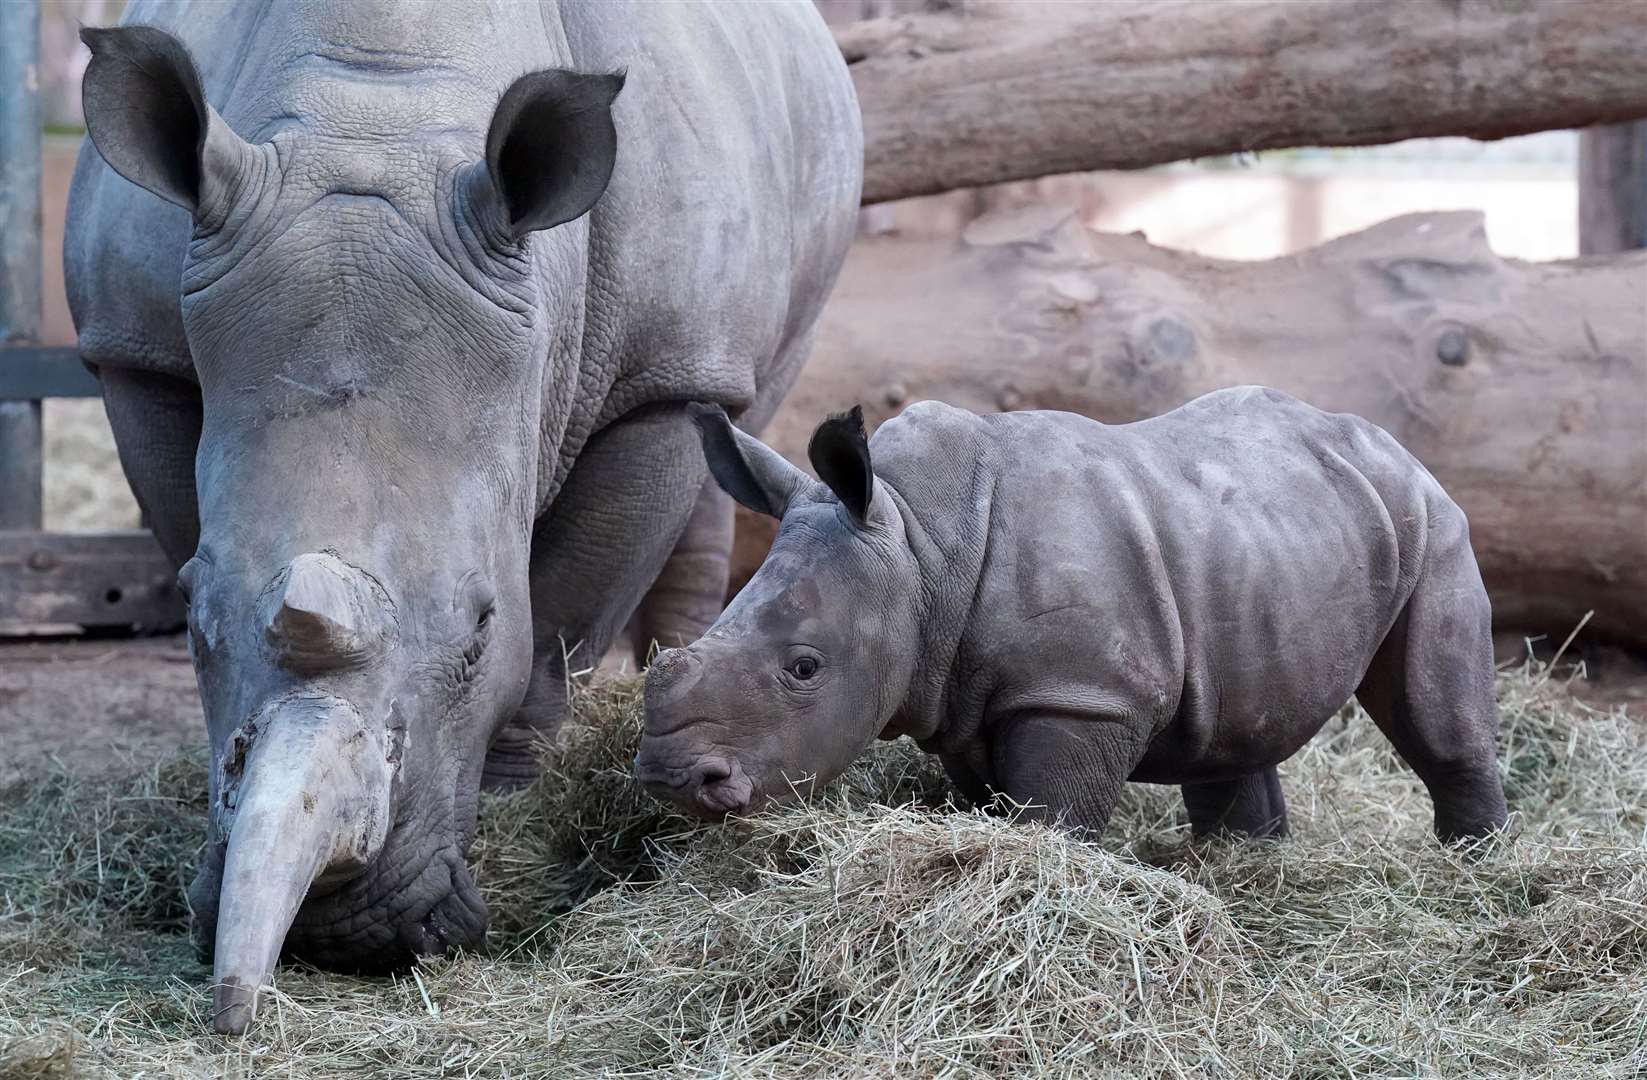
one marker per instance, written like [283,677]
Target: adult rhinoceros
[398,364]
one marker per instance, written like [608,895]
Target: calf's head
[809,662]
[370,299]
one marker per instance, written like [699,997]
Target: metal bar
[20,445]
[32,372]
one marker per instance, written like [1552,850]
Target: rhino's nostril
[710,786]
[721,788]
[711,772]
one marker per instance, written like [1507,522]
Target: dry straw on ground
[879,933]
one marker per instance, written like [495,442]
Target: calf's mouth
[708,785]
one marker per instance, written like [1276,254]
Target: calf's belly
[1241,733]
[1173,758]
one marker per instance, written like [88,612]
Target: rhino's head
[809,662]
[369,321]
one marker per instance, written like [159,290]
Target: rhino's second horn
[325,615]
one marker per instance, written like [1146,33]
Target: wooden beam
[94,580]
[996,90]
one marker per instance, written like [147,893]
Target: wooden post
[20,445]
[875,219]
[1612,189]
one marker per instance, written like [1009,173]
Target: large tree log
[984,92]
[1522,386]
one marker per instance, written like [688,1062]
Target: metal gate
[50,582]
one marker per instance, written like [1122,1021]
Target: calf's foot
[1250,806]
[1469,803]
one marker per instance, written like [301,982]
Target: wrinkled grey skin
[410,419]
[1056,606]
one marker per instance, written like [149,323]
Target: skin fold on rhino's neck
[924,714]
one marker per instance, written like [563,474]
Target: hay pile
[878,933]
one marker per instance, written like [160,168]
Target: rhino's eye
[804,668]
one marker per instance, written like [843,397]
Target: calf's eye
[804,668]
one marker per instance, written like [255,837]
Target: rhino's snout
[675,766]
[710,786]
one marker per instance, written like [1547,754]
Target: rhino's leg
[964,775]
[691,589]
[1250,805]
[595,552]
[156,423]
[1066,769]
[1430,690]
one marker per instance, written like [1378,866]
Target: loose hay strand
[881,931]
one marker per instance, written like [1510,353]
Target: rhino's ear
[147,116]
[747,469]
[839,452]
[551,147]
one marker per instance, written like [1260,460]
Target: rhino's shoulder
[924,429]
[1249,400]
[122,255]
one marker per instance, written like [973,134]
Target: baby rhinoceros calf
[1056,606]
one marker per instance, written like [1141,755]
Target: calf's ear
[839,452]
[747,469]
[148,118]
[551,147]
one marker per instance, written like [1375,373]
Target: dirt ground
[86,703]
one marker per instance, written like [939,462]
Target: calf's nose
[710,785]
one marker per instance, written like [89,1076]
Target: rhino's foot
[417,899]
[1469,803]
[1250,806]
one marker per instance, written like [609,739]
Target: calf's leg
[1249,805]
[1430,690]
[1065,769]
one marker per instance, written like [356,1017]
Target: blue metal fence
[20,457]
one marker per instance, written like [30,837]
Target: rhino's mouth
[709,785]
[417,899]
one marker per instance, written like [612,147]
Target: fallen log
[1522,386]
[982,92]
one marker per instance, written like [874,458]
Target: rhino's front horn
[673,674]
[306,789]
[323,615]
